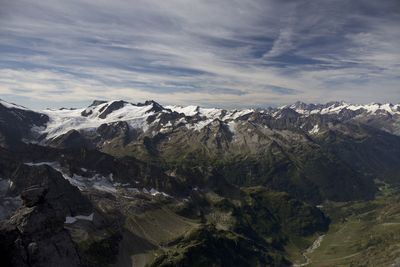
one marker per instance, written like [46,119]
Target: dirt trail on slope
[310,250]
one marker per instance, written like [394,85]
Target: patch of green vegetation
[362,233]
[158,225]
[295,218]
[250,231]
[102,252]
[207,246]
[306,173]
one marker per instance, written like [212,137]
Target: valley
[361,233]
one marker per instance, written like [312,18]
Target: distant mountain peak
[95,103]
[11,105]
[335,107]
[156,107]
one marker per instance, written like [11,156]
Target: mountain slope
[122,184]
[304,149]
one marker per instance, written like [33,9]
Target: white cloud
[220,53]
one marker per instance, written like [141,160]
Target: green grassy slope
[361,233]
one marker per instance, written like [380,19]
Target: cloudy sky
[225,53]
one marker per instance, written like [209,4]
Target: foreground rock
[35,235]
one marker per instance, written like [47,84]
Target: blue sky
[236,53]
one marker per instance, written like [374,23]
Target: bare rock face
[16,124]
[35,235]
[33,195]
[35,182]
[112,107]
[72,139]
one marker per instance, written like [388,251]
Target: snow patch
[315,129]
[12,105]
[199,125]
[5,184]
[64,120]
[168,124]
[154,192]
[236,114]
[188,110]
[210,113]
[7,204]
[232,127]
[73,219]
[336,108]
[97,181]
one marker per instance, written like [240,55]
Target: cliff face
[35,234]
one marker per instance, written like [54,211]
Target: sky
[225,53]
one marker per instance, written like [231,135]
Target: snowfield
[61,121]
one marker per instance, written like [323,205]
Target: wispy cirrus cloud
[224,53]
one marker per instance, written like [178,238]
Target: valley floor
[361,234]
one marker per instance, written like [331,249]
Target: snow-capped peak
[337,107]
[64,120]
[211,113]
[151,115]
[11,105]
[188,110]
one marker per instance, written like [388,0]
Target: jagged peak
[336,103]
[104,103]
[111,107]
[96,103]
[151,102]
[195,117]
[187,110]
[286,112]
[335,107]
[156,107]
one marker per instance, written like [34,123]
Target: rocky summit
[141,184]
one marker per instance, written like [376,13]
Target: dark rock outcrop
[16,124]
[112,107]
[35,235]
[29,181]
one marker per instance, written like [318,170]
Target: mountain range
[124,184]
